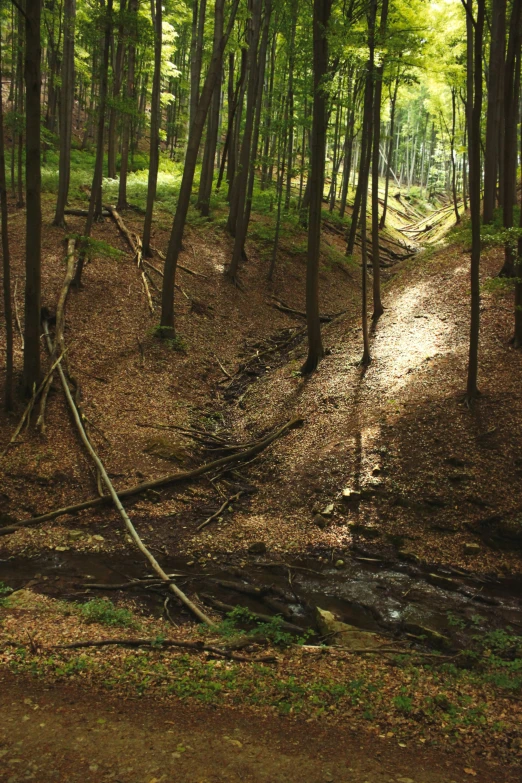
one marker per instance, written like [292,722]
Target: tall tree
[154,125]
[6,262]
[321,20]
[66,110]
[33,234]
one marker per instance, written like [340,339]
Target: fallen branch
[115,499]
[30,405]
[17,314]
[284,308]
[180,266]
[60,328]
[162,481]
[158,644]
[84,212]
[220,510]
[135,245]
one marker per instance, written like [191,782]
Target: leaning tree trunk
[154,130]
[191,156]
[322,11]
[33,236]
[66,110]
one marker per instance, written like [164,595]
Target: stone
[328,511]
[471,549]
[350,495]
[257,548]
[339,563]
[97,537]
[432,636]
[343,635]
[442,581]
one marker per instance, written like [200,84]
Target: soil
[66,734]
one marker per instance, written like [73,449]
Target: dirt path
[66,735]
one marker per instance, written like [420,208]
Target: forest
[261,391]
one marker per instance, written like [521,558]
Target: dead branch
[230,459]
[220,510]
[284,308]
[223,369]
[27,412]
[135,245]
[158,644]
[60,328]
[84,212]
[115,499]
[179,266]
[17,314]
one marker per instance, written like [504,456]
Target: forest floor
[393,505]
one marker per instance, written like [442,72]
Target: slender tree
[321,20]
[154,126]
[33,234]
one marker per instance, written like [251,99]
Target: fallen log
[115,499]
[84,212]
[229,459]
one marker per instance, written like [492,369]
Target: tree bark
[6,265]
[66,110]
[494,108]
[130,100]
[154,128]
[321,19]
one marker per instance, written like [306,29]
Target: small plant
[403,704]
[233,626]
[175,343]
[103,611]
[4,592]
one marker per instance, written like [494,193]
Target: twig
[220,510]
[179,266]
[223,368]
[162,481]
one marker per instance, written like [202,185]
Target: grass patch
[103,611]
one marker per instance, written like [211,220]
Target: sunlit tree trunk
[154,127]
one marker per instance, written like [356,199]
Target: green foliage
[5,590]
[103,611]
[235,621]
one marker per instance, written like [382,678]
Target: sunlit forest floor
[393,505]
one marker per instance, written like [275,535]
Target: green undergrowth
[240,623]
[103,611]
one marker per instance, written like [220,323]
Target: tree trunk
[474,109]
[191,155]
[154,128]
[66,110]
[130,99]
[33,238]
[116,87]
[452,149]
[6,265]
[378,309]
[511,108]
[321,19]
[393,99]
[494,110]
[96,187]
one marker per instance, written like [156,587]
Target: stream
[445,607]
